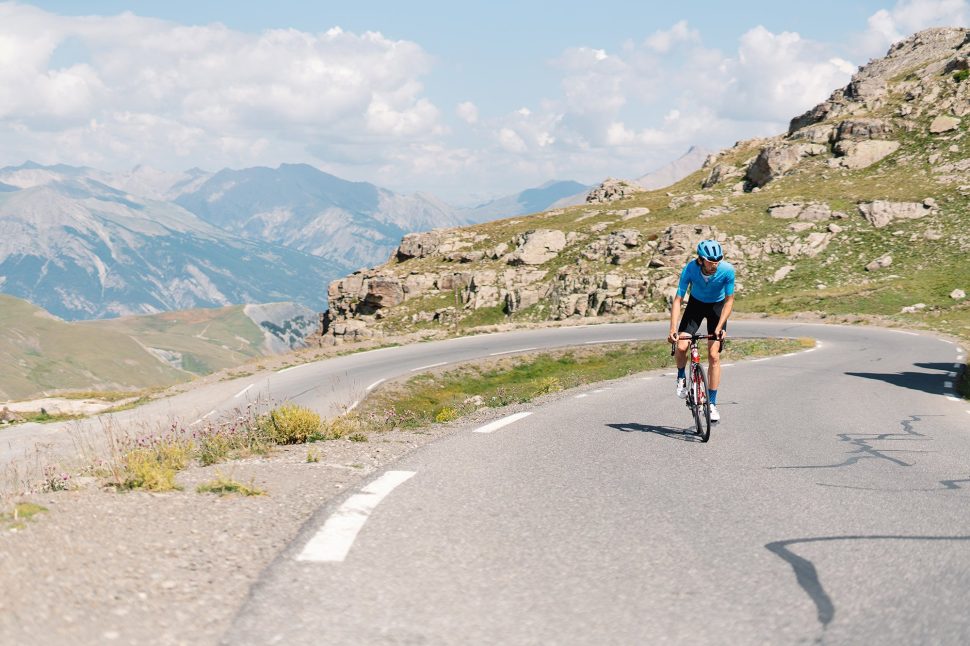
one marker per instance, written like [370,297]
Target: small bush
[357,437]
[312,455]
[293,424]
[446,414]
[224,485]
[339,427]
[961,75]
[153,466]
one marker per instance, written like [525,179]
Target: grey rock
[880,212]
[958,294]
[880,263]
[944,123]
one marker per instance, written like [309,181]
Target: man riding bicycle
[710,280]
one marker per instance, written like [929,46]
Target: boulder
[860,154]
[776,160]
[611,190]
[811,212]
[781,273]
[880,263]
[880,212]
[537,247]
[719,173]
[958,294]
[418,245]
[384,291]
[944,123]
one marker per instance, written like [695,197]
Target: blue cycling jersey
[707,289]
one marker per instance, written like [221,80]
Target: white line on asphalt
[495,354]
[499,423]
[209,414]
[353,406]
[726,365]
[333,541]
[909,333]
[374,385]
[279,372]
[198,421]
[790,354]
[582,395]
[645,378]
[609,341]
[950,342]
[433,365]
[761,359]
[243,391]
[601,390]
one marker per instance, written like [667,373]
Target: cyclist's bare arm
[674,318]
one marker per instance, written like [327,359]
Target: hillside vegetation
[42,354]
[860,209]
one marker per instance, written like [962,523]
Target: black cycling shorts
[699,310]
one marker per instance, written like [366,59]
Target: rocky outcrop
[778,159]
[881,213]
[944,123]
[611,190]
[537,247]
[861,154]
[811,212]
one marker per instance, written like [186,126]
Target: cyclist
[710,280]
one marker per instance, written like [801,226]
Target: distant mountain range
[84,243]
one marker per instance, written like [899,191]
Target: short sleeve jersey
[707,289]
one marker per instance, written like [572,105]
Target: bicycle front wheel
[702,405]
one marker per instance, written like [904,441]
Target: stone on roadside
[958,294]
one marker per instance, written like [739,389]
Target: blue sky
[466,102]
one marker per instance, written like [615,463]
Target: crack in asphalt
[807,575]
[865,450]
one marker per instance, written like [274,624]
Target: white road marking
[334,540]
[790,354]
[609,341]
[582,395]
[945,341]
[374,385]
[495,354]
[726,365]
[499,423]
[601,390]
[909,333]
[761,359]
[243,391]
[353,406]
[279,372]
[198,421]
[209,414]
[433,365]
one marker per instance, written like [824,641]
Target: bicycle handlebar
[697,337]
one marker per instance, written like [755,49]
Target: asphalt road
[830,506]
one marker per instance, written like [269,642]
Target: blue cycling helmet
[710,250]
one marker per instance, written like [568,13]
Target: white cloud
[159,92]
[663,41]
[907,17]
[511,141]
[468,112]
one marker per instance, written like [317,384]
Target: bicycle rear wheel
[702,406]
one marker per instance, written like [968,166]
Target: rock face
[612,190]
[881,213]
[537,247]
[776,160]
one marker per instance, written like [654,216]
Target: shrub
[153,466]
[357,437]
[224,485]
[961,75]
[292,424]
[446,414]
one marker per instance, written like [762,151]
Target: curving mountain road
[829,506]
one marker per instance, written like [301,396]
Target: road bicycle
[697,398]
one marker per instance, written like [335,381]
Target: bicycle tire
[694,402]
[703,416]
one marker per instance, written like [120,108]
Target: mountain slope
[297,206]
[531,200]
[81,249]
[861,208]
[42,354]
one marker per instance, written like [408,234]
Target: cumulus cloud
[155,91]
[887,26]
[662,41]
[468,112]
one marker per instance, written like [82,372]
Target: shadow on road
[684,434]
[927,382]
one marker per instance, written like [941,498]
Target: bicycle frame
[697,398]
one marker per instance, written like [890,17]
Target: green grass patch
[224,486]
[430,398]
[22,513]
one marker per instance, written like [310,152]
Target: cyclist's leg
[689,323]
[713,347]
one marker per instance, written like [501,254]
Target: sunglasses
[718,259]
